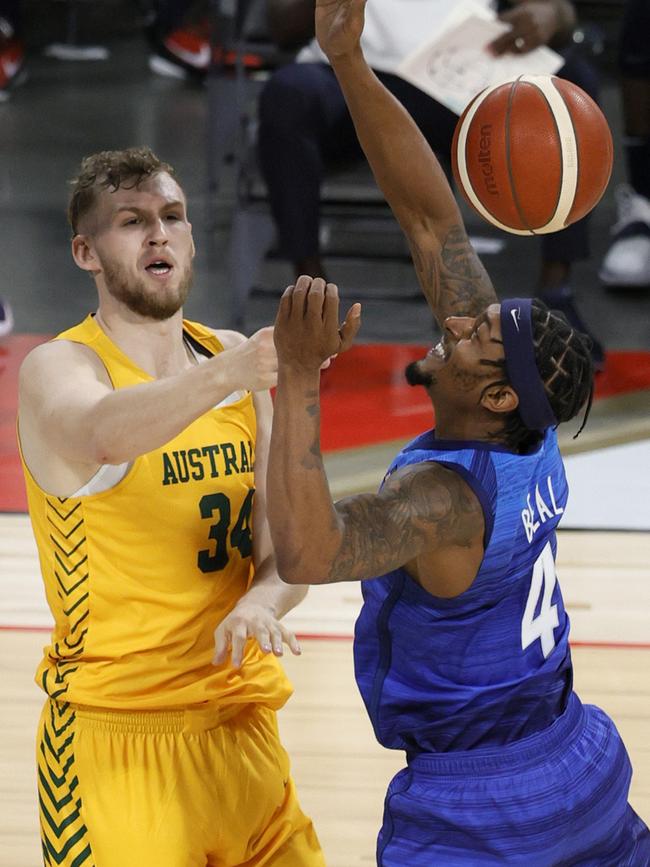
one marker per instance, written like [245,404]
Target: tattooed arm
[424,515]
[411,178]
[420,511]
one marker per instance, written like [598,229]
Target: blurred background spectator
[627,262]
[12,48]
[6,318]
[12,72]
[305,125]
[116,103]
[181,40]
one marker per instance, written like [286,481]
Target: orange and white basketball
[532,155]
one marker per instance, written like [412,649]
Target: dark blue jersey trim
[385,644]
[430,442]
[481,495]
[477,445]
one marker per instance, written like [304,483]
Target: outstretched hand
[307,328]
[251,620]
[339,25]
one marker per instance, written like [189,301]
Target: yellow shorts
[168,789]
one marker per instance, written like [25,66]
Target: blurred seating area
[195,71]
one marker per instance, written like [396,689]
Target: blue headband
[517,334]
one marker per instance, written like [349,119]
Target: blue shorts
[554,799]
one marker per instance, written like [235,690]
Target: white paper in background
[453,65]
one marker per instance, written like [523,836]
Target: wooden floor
[340,770]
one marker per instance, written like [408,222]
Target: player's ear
[83,253]
[500,398]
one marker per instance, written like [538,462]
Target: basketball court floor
[67,111]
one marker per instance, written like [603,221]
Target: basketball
[532,155]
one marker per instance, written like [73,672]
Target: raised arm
[408,173]
[68,408]
[419,511]
[260,610]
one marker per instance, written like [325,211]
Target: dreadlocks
[563,358]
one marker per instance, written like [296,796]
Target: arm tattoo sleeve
[429,506]
[452,277]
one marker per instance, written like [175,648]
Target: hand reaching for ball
[307,328]
[339,25]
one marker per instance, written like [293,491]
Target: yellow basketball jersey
[138,576]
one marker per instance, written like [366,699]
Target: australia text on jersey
[210,461]
[533,516]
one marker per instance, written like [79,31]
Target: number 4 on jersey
[542,626]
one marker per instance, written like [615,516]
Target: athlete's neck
[465,428]
[155,346]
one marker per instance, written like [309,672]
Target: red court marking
[7,628]
[624,373]
[365,400]
[12,487]
[312,636]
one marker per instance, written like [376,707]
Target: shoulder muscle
[420,508]
[61,366]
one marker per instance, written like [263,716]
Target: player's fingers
[276,640]
[300,293]
[238,642]
[291,641]
[303,282]
[315,298]
[331,307]
[350,328]
[221,646]
[264,639]
[286,303]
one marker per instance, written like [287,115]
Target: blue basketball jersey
[492,665]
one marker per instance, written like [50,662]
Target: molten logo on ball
[532,155]
[485,159]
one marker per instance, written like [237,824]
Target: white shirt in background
[393,29]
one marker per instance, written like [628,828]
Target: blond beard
[133,293]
